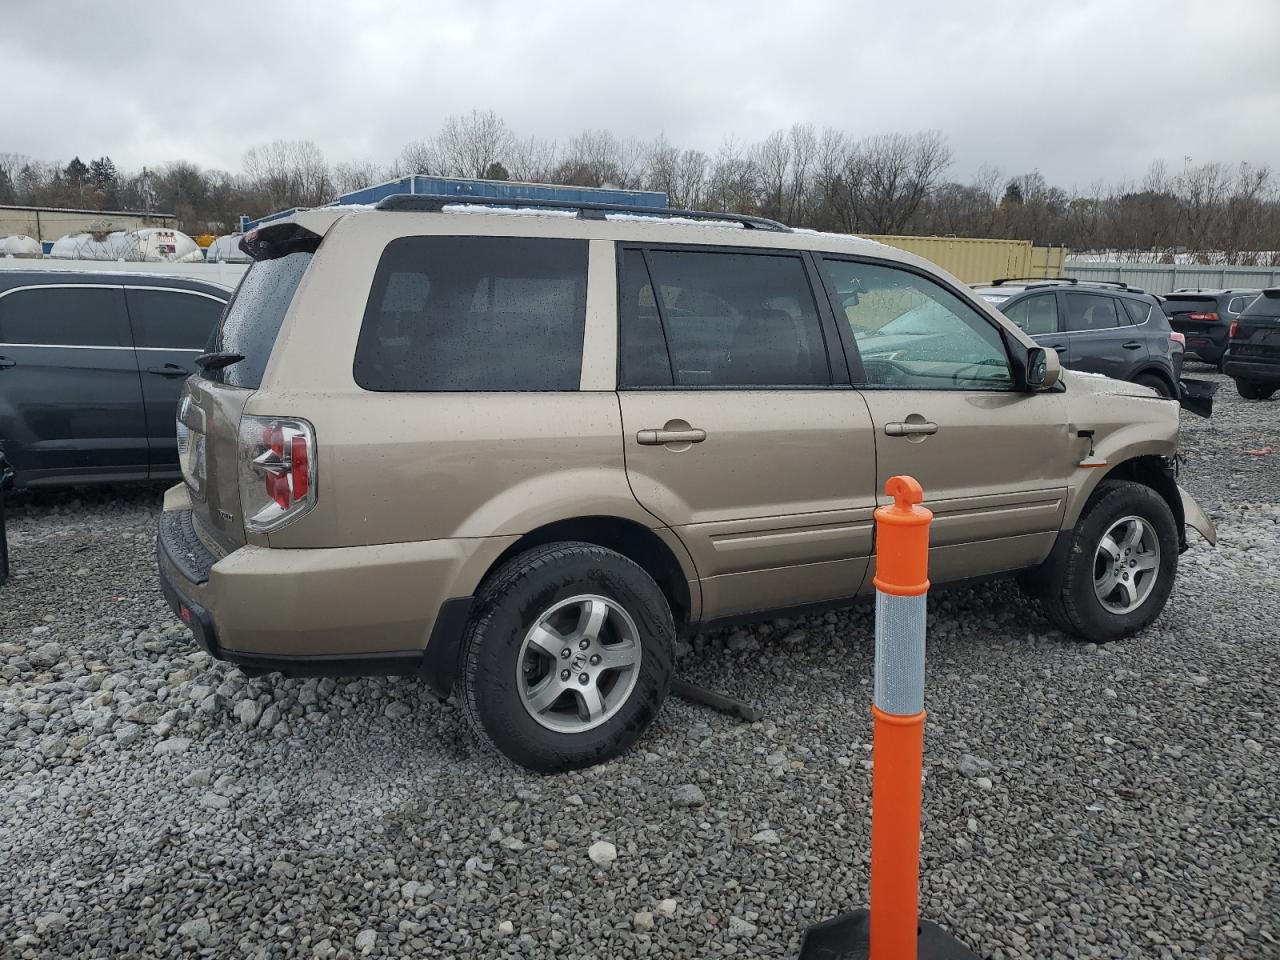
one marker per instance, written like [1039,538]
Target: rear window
[475,314]
[1175,304]
[65,317]
[254,315]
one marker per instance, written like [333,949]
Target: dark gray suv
[1204,317]
[91,365]
[1111,329]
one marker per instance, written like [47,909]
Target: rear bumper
[386,608]
[1264,369]
[1207,344]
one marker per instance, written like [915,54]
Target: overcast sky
[1081,89]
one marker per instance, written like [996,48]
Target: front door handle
[169,370]
[6,363]
[924,429]
[1060,347]
[1131,345]
[653,438]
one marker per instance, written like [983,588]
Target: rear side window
[1090,311]
[642,349]
[1238,304]
[475,314]
[1264,306]
[729,320]
[65,317]
[1136,311]
[1035,315]
[254,315]
[172,319]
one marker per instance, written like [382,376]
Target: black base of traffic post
[846,938]
[6,480]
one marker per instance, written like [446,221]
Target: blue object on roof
[498,189]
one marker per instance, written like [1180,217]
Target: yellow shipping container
[977,260]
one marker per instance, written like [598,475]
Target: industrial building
[47,224]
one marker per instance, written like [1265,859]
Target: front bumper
[349,610]
[1196,396]
[1194,517]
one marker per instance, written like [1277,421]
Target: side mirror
[1043,368]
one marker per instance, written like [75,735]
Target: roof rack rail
[435,202]
[1118,284]
[1004,280]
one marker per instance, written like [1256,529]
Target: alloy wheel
[578,664]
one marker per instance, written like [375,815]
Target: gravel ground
[1083,802]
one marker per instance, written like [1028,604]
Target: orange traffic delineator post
[892,928]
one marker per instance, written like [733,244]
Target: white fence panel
[1167,277]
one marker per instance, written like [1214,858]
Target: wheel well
[635,542]
[1156,473]
[1159,374]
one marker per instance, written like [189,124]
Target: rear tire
[1255,390]
[600,607]
[1081,588]
[1155,383]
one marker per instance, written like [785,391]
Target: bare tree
[732,180]
[596,158]
[1202,192]
[292,173]
[420,157]
[468,146]
[357,174]
[532,159]
[892,174]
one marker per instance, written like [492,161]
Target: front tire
[1155,383]
[1255,390]
[1119,566]
[567,658]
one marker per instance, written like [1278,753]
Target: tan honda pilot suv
[517,452]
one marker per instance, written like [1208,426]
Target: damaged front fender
[1195,518]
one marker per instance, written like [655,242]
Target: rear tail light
[1207,317]
[277,471]
[1179,338]
[191,444]
[1232,331]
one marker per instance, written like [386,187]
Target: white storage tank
[226,250]
[148,245]
[20,245]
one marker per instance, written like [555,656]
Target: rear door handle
[1060,347]
[6,363]
[653,438]
[1132,345]
[928,428]
[169,370]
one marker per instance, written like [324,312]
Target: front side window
[1035,315]
[172,319]
[1090,311]
[65,317]
[475,314]
[913,333]
[727,320]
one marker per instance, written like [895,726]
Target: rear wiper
[216,361]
